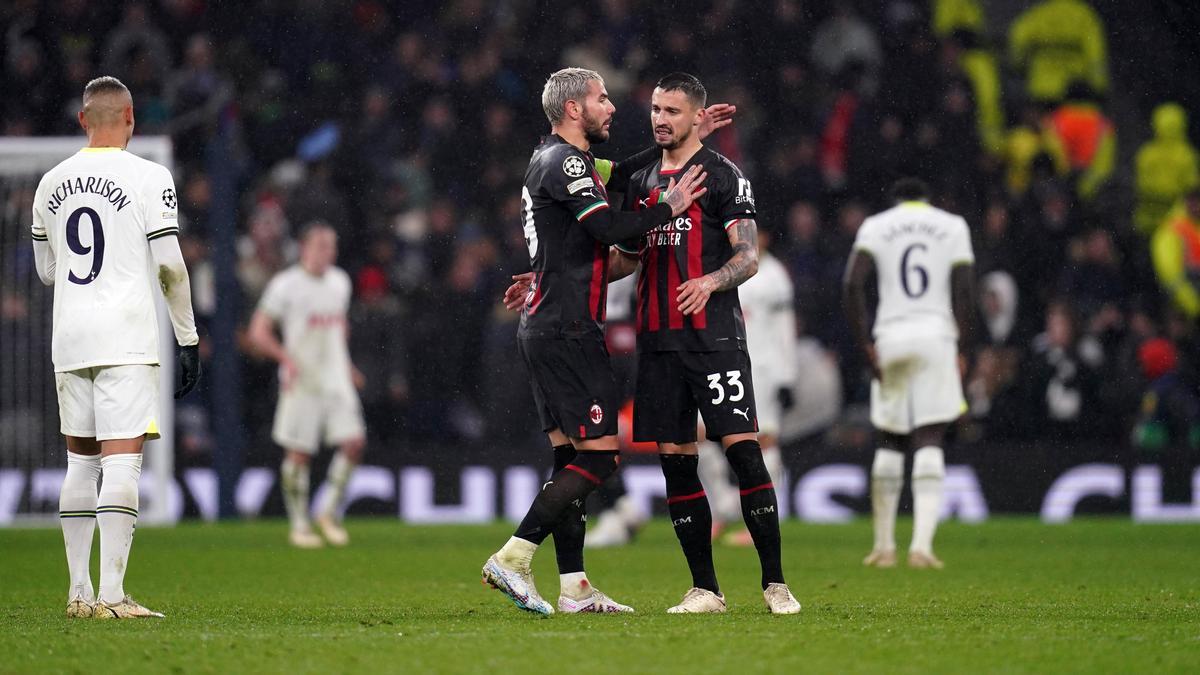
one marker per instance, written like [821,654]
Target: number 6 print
[734,381]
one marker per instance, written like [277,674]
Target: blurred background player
[101,218]
[317,382]
[767,305]
[923,263]
[692,343]
[569,227]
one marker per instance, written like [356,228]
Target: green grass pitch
[1016,596]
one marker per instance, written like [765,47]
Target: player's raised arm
[859,271]
[743,236]
[43,250]
[162,231]
[611,227]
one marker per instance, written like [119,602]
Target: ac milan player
[692,342]
[568,227]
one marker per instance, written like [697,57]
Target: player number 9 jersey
[98,210]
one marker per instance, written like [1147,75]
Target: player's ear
[82,121]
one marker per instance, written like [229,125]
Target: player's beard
[675,142]
[593,130]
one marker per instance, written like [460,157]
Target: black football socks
[568,534]
[574,482]
[760,509]
[691,517]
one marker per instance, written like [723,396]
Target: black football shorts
[573,385]
[673,386]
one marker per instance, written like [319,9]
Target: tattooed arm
[743,235]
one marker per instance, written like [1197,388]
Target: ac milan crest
[596,413]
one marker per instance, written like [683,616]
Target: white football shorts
[921,385]
[109,402]
[302,415]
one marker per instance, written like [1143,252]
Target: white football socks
[928,479]
[295,479]
[77,514]
[887,479]
[116,514]
[338,477]
[517,554]
[574,585]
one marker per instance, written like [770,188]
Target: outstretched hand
[514,295]
[716,116]
[680,196]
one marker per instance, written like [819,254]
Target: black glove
[785,397]
[189,369]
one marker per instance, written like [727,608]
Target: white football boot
[128,608]
[78,608]
[921,560]
[333,532]
[518,585]
[880,558]
[780,600]
[305,538]
[699,601]
[594,603]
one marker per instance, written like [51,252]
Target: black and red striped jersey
[689,246]
[563,189]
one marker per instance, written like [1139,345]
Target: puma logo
[744,413]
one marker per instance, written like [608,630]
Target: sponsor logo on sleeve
[581,184]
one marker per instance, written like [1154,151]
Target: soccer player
[767,302]
[692,342]
[105,231]
[922,261]
[317,396]
[569,227]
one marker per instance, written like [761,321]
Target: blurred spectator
[1165,168]
[951,16]
[265,250]
[1061,379]
[136,38]
[844,40]
[1092,276]
[1058,42]
[978,64]
[1082,141]
[1170,411]
[1176,253]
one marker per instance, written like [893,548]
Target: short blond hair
[568,84]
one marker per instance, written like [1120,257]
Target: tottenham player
[767,302]
[922,260]
[569,227]
[105,230]
[317,396]
[692,342]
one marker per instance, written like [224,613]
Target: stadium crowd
[407,127]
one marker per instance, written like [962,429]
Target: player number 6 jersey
[915,246]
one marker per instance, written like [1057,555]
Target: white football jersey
[766,300]
[98,210]
[915,246]
[311,312]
